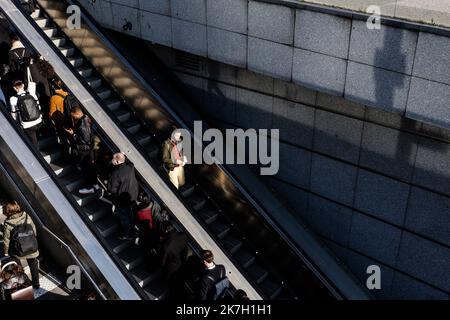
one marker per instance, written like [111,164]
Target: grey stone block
[429,215]
[271,22]
[319,72]
[130,3]
[156,28]
[296,165]
[382,197]
[323,33]
[253,110]
[432,167]
[103,13]
[425,260]
[293,92]
[333,179]
[221,101]
[124,14]
[374,238]
[221,72]
[407,288]
[432,58]
[192,10]
[229,15]
[295,122]
[227,47]
[388,48]
[270,58]
[377,87]
[296,199]
[340,105]
[330,220]
[337,136]
[393,120]
[190,37]
[255,81]
[388,151]
[429,102]
[156,6]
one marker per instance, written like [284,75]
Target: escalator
[239,224]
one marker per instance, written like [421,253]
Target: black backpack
[22,62]
[28,107]
[23,240]
[220,287]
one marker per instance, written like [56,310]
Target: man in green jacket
[173,159]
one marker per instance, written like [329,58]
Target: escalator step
[131,257]
[219,229]
[151,149]
[244,257]
[41,21]
[72,181]
[85,71]
[122,114]
[187,190]
[108,225]
[157,289]
[84,199]
[67,51]
[143,137]
[208,215]
[271,288]
[51,153]
[62,168]
[196,201]
[76,61]
[257,273]
[58,41]
[36,13]
[45,142]
[103,92]
[116,244]
[142,275]
[50,31]
[94,82]
[232,243]
[97,209]
[132,125]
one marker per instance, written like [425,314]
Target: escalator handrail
[37,220]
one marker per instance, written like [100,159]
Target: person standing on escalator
[173,158]
[124,187]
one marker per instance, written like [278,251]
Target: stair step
[84,199]
[187,190]
[103,92]
[257,273]
[143,276]
[51,153]
[36,13]
[117,244]
[131,258]
[50,31]
[84,71]
[244,257]
[151,149]
[232,243]
[132,126]
[219,229]
[142,137]
[62,168]
[208,215]
[271,288]
[59,41]
[41,21]
[107,225]
[47,142]
[112,103]
[97,209]
[196,201]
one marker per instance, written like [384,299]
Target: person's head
[76,113]
[176,135]
[57,84]
[10,270]
[208,258]
[144,200]
[15,38]
[240,295]
[11,208]
[18,86]
[118,158]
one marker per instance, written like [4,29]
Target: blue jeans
[125,214]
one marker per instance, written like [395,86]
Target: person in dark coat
[19,60]
[174,249]
[210,276]
[124,187]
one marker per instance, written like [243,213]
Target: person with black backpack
[214,281]
[19,60]
[26,110]
[19,238]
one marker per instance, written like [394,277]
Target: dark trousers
[34,270]
[32,135]
[125,214]
[86,162]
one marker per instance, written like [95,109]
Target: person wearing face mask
[173,158]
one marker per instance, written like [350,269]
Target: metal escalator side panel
[42,183]
[146,171]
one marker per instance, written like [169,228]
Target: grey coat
[9,225]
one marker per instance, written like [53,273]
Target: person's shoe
[38,292]
[86,190]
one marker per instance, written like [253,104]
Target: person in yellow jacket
[56,114]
